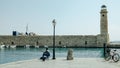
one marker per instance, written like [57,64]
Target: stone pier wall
[61,41]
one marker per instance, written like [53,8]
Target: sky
[73,17]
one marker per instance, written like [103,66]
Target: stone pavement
[63,63]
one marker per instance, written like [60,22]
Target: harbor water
[8,55]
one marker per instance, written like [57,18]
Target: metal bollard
[104,45]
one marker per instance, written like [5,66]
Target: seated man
[45,55]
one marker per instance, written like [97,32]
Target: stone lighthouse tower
[104,24]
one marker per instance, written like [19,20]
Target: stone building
[65,40]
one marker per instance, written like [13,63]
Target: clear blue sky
[73,17]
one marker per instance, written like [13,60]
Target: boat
[13,46]
[27,46]
[2,46]
[36,46]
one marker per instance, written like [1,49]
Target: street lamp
[54,23]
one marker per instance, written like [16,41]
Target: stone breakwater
[60,41]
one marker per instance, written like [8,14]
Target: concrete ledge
[63,63]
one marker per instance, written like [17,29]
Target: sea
[8,55]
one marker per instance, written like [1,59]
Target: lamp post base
[53,58]
[53,53]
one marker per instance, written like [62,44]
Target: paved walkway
[63,63]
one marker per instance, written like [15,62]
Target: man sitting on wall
[45,55]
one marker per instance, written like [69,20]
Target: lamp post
[54,23]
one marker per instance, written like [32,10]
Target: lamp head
[54,23]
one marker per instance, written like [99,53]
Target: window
[12,43]
[103,15]
[37,43]
[59,42]
[85,42]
